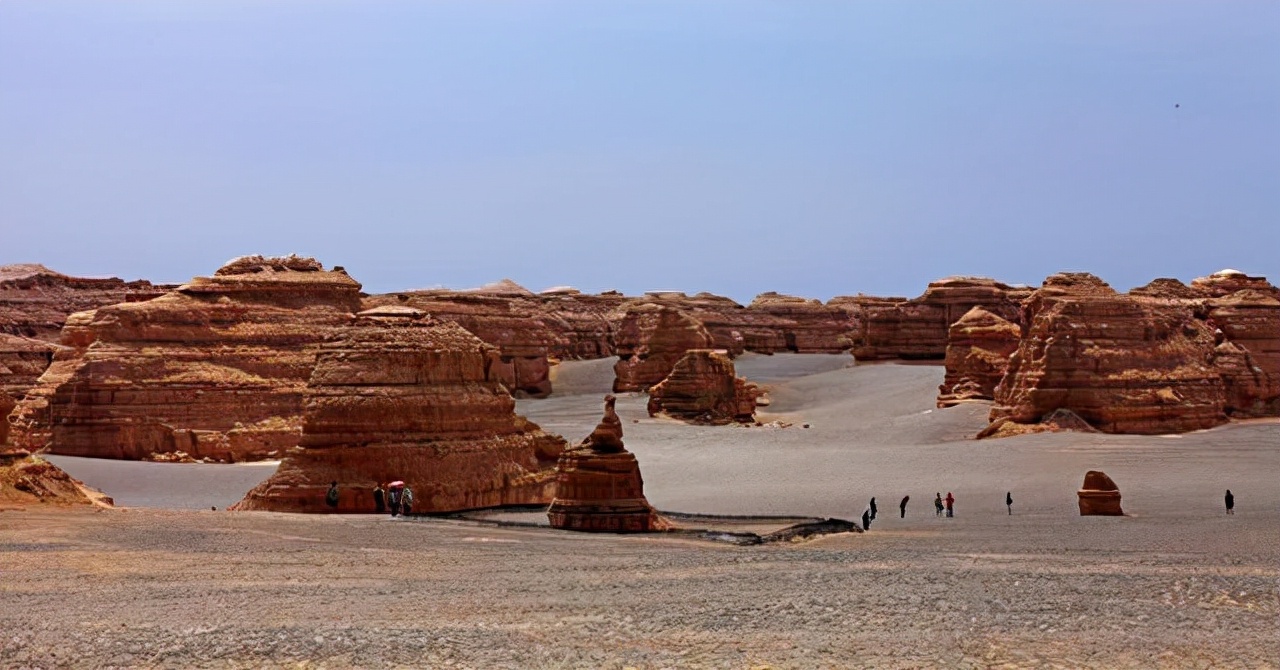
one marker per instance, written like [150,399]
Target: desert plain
[164,581]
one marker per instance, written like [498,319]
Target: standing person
[1008,501]
[902,506]
[331,498]
[873,508]
[393,500]
[379,499]
[951,501]
[866,520]
[937,505]
[1230,500]
[406,501]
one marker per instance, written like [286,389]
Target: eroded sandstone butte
[215,369]
[806,326]
[917,328]
[398,395]
[650,340]
[1247,352]
[22,361]
[704,388]
[979,345]
[35,301]
[584,322]
[1124,364]
[598,484]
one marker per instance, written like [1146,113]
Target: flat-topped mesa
[917,329]
[503,314]
[397,395]
[599,487]
[979,345]
[703,388]
[650,340]
[584,323]
[806,326]
[35,301]
[215,369]
[732,327]
[22,361]
[1226,282]
[1123,364]
[1246,327]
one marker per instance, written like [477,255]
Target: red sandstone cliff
[35,301]
[978,349]
[703,388]
[650,340]
[400,396]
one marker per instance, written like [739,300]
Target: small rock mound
[252,264]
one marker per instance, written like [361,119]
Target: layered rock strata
[1099,496]
[599,487]
[27,480]
[806,326]
[704,388]
[400,396]
[35,301]
[6,406]
[650,340]
[584,323]
[1247,351]
[22,361]
[1122,363]
[978,349]
[215,369]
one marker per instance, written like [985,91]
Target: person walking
[902,506]
[331,497]
[937,505]
[393,500]
[1230,500]
[1008,501]
[406,501]
[951,501]
[379,499]
[873,508]
[866,520]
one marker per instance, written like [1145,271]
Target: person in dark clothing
[393,501]
[331,498]
[1230,500]
[1008,502]
[873,509]
[866,520]
[902,506]
[951,502]
[937,505]
[379,499]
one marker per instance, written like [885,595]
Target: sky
[810,148]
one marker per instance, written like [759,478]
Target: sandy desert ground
[166,582]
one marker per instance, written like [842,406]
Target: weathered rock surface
[22,361]
[400,396]
[215,369]
[27,480]
[703,388]
[35,301]
[6,406]
[806,326]
[599,487]
[1226,282]
[1247,352]
[917,328]
[1099,496]
[650,340]
[584,323]
[1122,363]
[979,345]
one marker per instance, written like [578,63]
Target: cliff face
[650,340]
[1122,363]
[1247,351]
[22,361]
[979,345]
[399,396]
[917,328]
[215,369]
[35,301]
[703,388]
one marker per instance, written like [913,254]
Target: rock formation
[650,340]
[1247,351]
[1122,363]
[215,369]
[6,406]
[35,301]
[1226,282]
[704,389]
[917,328]
[22,361]
[1099,496]
[978,349]
[400,396]
[806,326]
[599,487]
[584,323]
[30,480]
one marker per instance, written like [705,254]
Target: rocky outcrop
[1124,364]
[599,487]
[1247,352]
[504,315]
[1225,282]
[35,301]
[1099,496]
[215,369]
[917,329]
[703,388]
[584,323]
[27,480]
[806,326]
[978,349]
[650,340]
[400,396]
[6,406]
[22,361]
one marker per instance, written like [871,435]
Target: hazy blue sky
[817,148]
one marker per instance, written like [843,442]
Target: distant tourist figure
[873,509]
[1230,500]
[1008,502]
[902,506]
[406,501]
[331,498]
[937,505]
[951,502]
[393,499]
[866,520]
[379,499]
